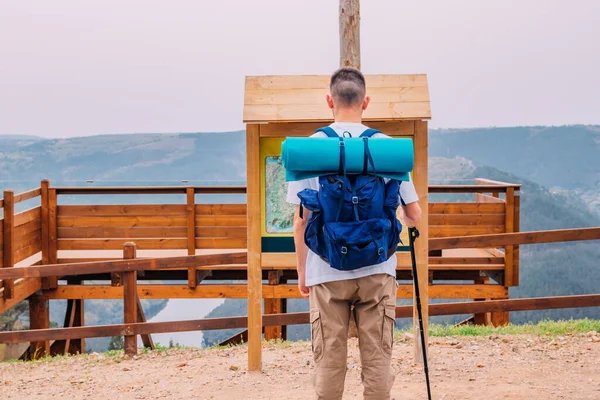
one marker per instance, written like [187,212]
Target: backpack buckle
[344,250]
[380,251]
[354,199]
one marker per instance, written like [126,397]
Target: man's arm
[301,249]
[412,214]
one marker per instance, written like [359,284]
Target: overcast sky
[84,67]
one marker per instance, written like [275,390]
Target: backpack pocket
[357,244]
[313,238]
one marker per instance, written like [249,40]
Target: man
[371,289]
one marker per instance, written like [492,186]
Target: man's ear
[330,101]
[366,102]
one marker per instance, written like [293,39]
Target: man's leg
[375,314]
[329,318]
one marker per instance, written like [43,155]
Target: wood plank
[516,252]
[8,242]
[266,82]
[117,244]
[484,198]
[27,228]
[255,292]
[510,225]
[98,232]
[27,240]
[504,239]
[1,243]
[391,128]
[317,96]
[483,181]
[121,209]
[221,209]
[101,190]
[445,291]
[221,220]
[122,221]
[51,282]
[152,291]
[466,219]
[141,317]
[31,194]
[44,220]
[27,216]
[466,267]
[28,251]
[152,244]
[466,260]
[231,232]
[23,289]
[191,234]
[140,264]
[466,208]
[468,188]
[320,112]
[436,231]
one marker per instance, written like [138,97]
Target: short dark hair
[348,87]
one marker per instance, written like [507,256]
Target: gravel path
[494,367]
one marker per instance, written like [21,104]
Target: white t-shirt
[317,270]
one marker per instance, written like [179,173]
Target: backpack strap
[369,132]
[328,131]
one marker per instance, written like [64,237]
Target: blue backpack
[353,220]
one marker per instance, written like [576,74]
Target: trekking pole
[413,234]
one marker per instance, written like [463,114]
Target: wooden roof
[302,98]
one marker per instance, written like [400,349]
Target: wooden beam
[273,306]
[254,248]
[191,233]
[27,195]
[39,318]
[421,178]
[509,227]
[52,280]
[130,299]
[350,33]
[97,190]
[543,303]
[504,239]
[84,268]
[516,252]
[141,317]
[23,289]
[8,242]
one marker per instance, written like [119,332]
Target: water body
[180,310]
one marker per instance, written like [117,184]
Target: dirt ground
[494,367]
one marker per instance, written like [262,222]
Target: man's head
[347,93]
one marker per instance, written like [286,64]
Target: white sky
[83,67]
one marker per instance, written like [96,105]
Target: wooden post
[130,299]
[350,33]
[420,180]
[517,228]
[52,282]
[254,248]
[9,241]
[39,318]
[509,224]
[49,282]
[273,306]
[191,234]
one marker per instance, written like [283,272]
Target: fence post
[9,241]
[52,281]
[129,299]
[191,234]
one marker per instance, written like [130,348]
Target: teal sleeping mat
[305,158]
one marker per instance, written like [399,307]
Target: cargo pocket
[316,334]
[387,339]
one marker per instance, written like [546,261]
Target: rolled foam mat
[311,157]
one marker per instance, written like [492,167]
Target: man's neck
[341,117]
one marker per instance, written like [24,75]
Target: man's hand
[304,290]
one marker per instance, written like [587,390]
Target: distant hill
[557,157]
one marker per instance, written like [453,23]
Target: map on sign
[279,213]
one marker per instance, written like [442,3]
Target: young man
[371,289]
